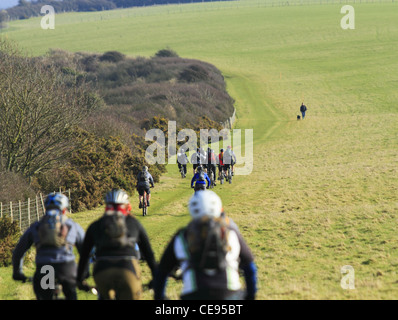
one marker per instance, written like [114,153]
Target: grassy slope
[323,192]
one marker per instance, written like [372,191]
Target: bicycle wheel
[144,207]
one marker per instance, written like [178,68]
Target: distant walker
[303,109]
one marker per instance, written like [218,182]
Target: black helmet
[199,169]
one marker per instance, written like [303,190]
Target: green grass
[323,192]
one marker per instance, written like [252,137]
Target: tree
[3,18]
[40,109]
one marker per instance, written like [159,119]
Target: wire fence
[26,212]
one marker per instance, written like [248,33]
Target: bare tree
[39,110]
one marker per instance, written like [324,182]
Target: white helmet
[205,203]
[117,196]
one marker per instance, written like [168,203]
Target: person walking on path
[303,109]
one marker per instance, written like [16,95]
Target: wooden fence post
[70,210]
[37,208]
[42,202]
[20,214]
[28,211]
[1,209]
[12,219]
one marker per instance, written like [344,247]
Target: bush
[112,56]
[166,53]
[9,236]
[14,187]
[194,73]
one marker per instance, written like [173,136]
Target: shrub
[9,236]
[166,53]
[112,56]
[14,187]
[193,73]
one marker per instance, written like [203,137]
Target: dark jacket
[144,179]
[136,232]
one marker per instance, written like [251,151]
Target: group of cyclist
[204,165]
[117,241]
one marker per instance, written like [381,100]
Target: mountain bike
[212,176]
[144,204]
[182,171]
[222,176]
[57,293]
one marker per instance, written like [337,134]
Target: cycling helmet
[56,201]
[145,168]
[117,196]
[205,203]
[199,169]
[222,150]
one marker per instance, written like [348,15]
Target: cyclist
[144,182]
[220,162]
[211,164]
[115,236]
[182,160]
[54,236]
[197,159]
[198,283]
[229,159]
[200,178]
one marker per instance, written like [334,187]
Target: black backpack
[144,177]
[201,176]
[207,243]
[114,233]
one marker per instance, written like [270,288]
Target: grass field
[324,191]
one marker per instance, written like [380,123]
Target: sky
[4,4]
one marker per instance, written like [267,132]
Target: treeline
[26,9]
[78,120]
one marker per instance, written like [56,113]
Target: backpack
[201,176]
[52,230]
[207,243]
[113,229]
[144,176]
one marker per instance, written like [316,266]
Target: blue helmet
[56,201]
